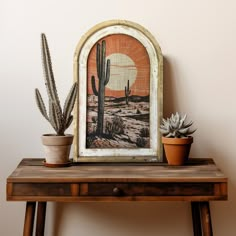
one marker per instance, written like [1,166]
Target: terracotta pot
[57,148]
[177,149]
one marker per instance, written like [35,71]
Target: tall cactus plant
[58,118]
[103,74]
[127,93]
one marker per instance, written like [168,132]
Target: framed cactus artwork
[119,69]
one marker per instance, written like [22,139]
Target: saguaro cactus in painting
[103,73]
[127,93]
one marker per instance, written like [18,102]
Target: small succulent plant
[59,118]
[175,126]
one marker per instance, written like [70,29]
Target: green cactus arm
[107,72]
[95,91]
[127,90]
[51,116]
[57,120]
[49,77]
[48,73]
[69,102]
[40,104]
[103,60]
[69,121]
[98,58]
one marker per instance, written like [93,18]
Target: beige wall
[198,40]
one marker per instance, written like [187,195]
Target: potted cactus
[57,146]
[176,138]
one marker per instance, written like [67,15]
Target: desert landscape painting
[118,94]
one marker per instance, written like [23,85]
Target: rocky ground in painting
[135,123]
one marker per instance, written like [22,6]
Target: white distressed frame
[154,153]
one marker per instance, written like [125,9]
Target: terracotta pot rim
[55,135]
[180,141]
[52,139]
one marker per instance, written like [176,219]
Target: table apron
[116,191]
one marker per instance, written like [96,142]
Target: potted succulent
[57,146]
[176,138]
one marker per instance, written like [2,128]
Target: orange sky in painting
[124,44]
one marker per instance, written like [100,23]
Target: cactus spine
[103,73]
[60,120]
[127,93]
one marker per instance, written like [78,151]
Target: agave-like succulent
[175,126]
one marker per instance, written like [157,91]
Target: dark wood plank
[197,182]
[151,189]
[114,198]
[100,173]
[29,219]
[41,214]
[41,189]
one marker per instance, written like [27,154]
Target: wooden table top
[196,170]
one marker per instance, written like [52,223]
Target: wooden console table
[198,182]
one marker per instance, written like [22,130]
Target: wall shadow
[121,218]
[58,216]
[169,102]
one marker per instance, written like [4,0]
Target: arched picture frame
[119,69]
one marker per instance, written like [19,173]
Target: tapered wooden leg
[41,212]
[197,229]
[201,217]
[29,219]
[206,219]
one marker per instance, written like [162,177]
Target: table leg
[29,219]
[196,219]
[206,218]
[40,224]
[201,217]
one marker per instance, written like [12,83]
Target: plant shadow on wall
[169,103]
[132,218]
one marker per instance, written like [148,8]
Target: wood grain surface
[199,180]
